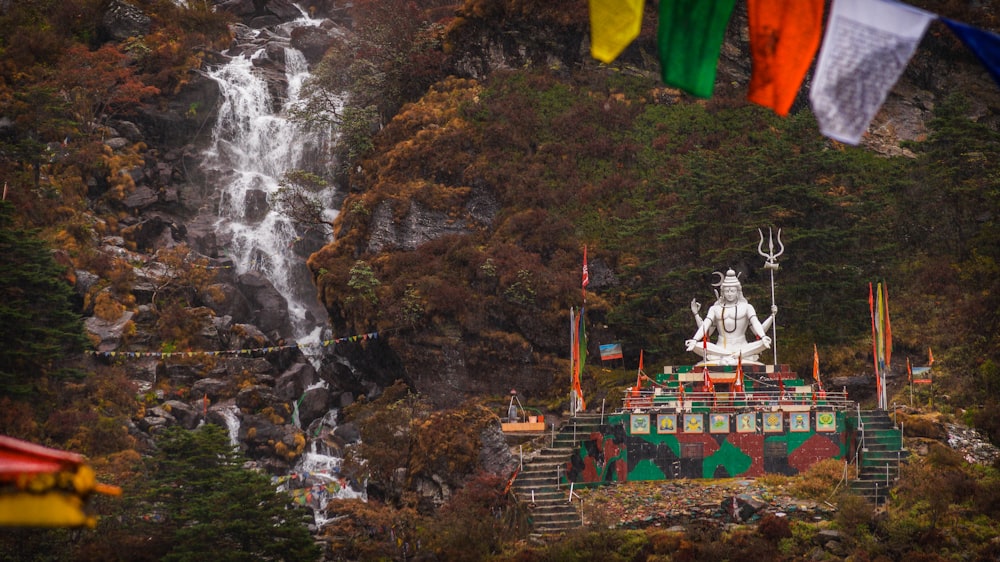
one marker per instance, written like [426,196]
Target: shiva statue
[729,317]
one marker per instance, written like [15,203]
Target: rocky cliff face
[236,366]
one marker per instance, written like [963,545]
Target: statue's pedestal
[724,373]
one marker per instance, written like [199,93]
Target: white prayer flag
[867,45]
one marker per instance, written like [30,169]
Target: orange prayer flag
[815,362]
[930,357]
[784,37]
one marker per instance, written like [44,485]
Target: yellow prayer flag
[614,24]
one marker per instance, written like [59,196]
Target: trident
[771,263]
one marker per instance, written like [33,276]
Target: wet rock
[255,206]
[348,432]
[313,42]
[313,405]
[270,308]
[293,382]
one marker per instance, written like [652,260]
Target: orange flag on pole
[784,38]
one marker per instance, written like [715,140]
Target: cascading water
[255,143]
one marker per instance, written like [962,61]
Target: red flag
[930,357]
[815,363]
[909,371]
[586,272]
[784,37]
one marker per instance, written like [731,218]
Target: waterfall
[228,413]
[254,143]
[315,479]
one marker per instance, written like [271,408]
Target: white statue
[729,317]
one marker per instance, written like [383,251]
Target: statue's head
[729,287]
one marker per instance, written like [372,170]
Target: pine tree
[214,509]
[38,326]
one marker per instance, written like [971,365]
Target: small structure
[518,421]
[42,487]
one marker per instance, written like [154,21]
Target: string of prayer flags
[232,352]
[984,44]
[689,39]
[614,24]
[784,38]
[867,45]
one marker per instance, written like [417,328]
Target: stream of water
[255,143]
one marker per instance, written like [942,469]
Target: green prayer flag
[690,37]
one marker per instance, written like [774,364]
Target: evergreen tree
[37,323]
[213,509]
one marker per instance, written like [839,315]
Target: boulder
[245,336]
[122,20]
[294,381]
[270,308]
[312,42]
[210,387]
[153,233]
[255,206]
[348,432]
[108,332]
[226,300]
[255,398]
[313,405]
[186,415]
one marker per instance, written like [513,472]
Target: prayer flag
[815,363]
[708,386]
[984,44]
[865,49]
[871,310]
[738,384]
[586,272]
[689,38]
[909,371]
[611,351]
[784,37]
[614,24]
[579,358]
[930,357]
[640,374]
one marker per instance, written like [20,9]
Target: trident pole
[771,264]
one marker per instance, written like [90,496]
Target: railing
[673,401]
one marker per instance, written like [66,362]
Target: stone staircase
[539,484]
[880,456]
